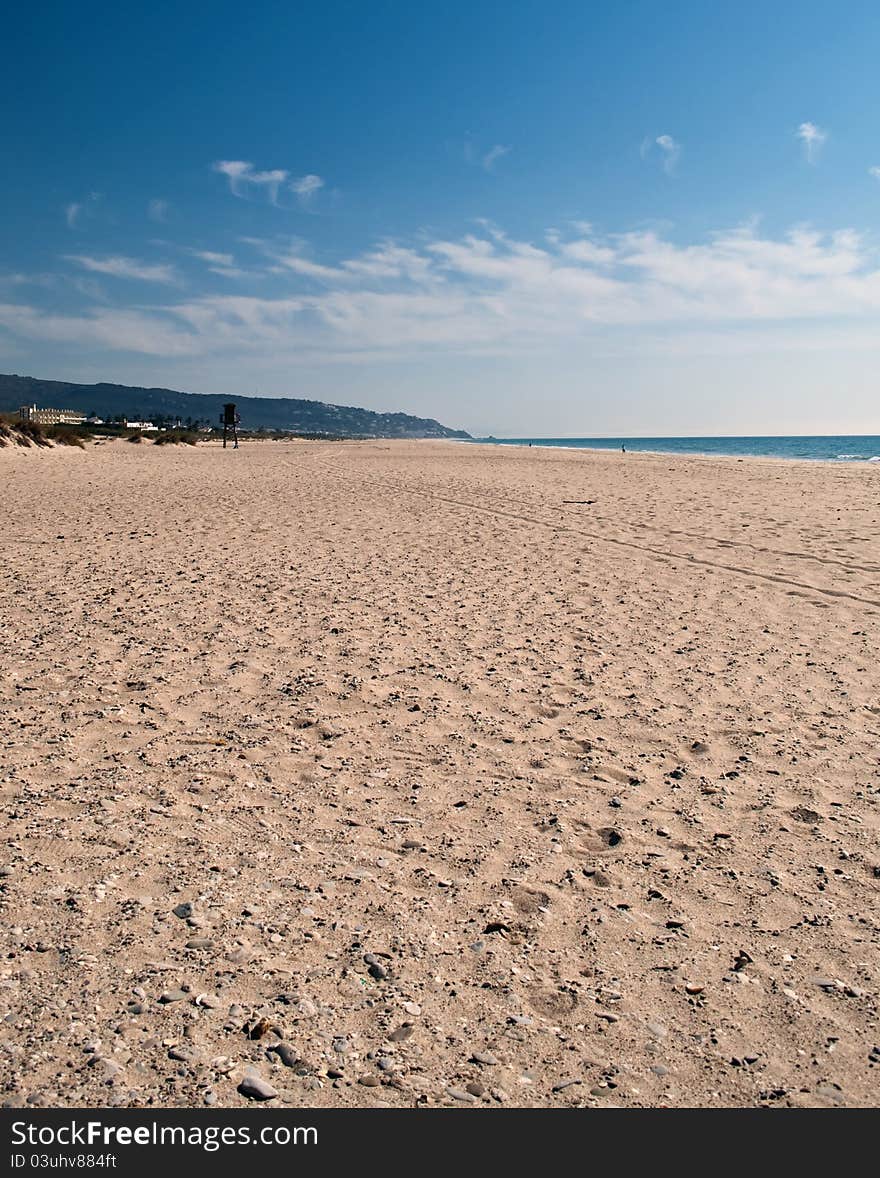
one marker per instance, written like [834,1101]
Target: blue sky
[524,219]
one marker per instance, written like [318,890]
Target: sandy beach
[417,774]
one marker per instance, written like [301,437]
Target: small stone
[830,1092]
[461,1094]
[486,1058]
[259,1028]
[173,996]
[184,1054]
[694,988]
[401,1033]
[475,1089]
[412,1008]
[369,1081]
[286,1054]
[256,1088]
[200,943]
[184,910]
[376,968]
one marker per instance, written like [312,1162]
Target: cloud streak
[671,151]
[493,155]
[120,267]
[813,139]
[306,187]
[77,211]
[217,263]
[243,179]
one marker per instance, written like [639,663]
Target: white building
[50,416]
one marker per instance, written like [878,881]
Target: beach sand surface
[412,773]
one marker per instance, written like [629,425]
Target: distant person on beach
[623,449]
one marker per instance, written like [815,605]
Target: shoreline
[112,445]
[549,444]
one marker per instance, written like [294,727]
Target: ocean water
[821,448]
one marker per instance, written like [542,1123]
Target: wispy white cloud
[386,263]
[77,211]
[136,331]
[306,187]
[212,258]
[391,262]
[493,155]
[157,210]
[89,287]
[488,293]
[875,172]
[218,263]
[813,139]
[243,179]
[120,267]
[671,151]
[290,255]
[478,155]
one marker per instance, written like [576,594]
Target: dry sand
[462,774]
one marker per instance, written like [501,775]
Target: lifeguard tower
[230,421]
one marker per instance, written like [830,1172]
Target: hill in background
[276,413]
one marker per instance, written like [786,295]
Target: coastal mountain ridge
[275,413]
